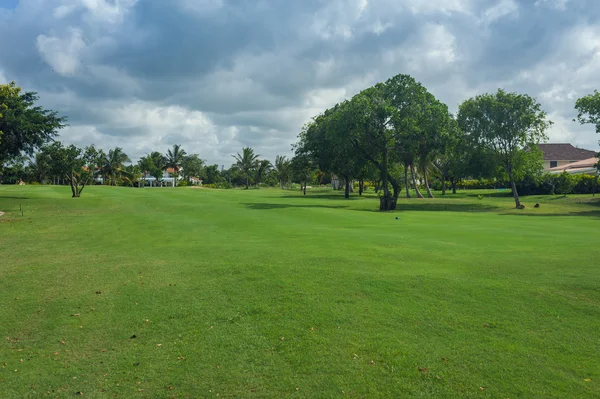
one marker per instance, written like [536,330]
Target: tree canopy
[24,126]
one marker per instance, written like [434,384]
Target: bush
[182,183]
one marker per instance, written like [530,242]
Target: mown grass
[264,293]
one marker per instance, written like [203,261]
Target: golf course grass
[193,293]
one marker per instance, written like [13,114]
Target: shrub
[182,183]
[565,183]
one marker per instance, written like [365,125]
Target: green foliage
[508,126]
[564,183]
[588,109]
[247,162]
[24,126]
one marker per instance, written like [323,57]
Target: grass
[264,293]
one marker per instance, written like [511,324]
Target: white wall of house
[547,164]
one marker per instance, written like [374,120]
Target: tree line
[395,135]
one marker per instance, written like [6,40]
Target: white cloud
[500,10]
[62,54]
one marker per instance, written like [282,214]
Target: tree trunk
[443,184]
[347,190]
[429,193]
[406,186]
[247,182]
[412,172]
[360,186]
[387,202]
[515,193]
[453,186]
[281,183]
[304,188]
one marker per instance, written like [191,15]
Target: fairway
[192,293]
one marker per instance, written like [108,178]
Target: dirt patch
[1,213]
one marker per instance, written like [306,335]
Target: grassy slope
[264,294]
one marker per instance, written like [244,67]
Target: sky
[219,75]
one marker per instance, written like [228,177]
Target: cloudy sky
[217,75]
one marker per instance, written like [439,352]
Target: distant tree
[113,164]
[24,126]
[303,168]
[247,162]
[508,125]
[131,174]
[283,170]
[154,164]
[192,166]
[39,167]
[71,163]
[212,174]
[263,167]
[175,157]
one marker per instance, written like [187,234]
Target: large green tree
[24,126]
[247,163]
[508,125]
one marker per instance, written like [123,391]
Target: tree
[24,127]
[509,125]
[175,158]
[113,164]
[372,116]
[192,166]
[212,174]
[303,168]
[72,163]
[588,111]
[282,169]
[131,174]
[263,167]
[153,164]
[247,162]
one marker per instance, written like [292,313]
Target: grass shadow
[268,205]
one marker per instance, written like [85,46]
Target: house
[561,154]
[587,167]
[170,177]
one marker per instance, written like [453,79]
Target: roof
[564,152]
[586,163]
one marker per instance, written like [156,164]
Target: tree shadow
[497,194]
[444,207]
[591,214]
[13,197]
[265,206]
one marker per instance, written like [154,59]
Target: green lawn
[264,293]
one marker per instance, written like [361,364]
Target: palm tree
[262,168]
[174,158]
[247,162]
[283,169]
[112,164]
